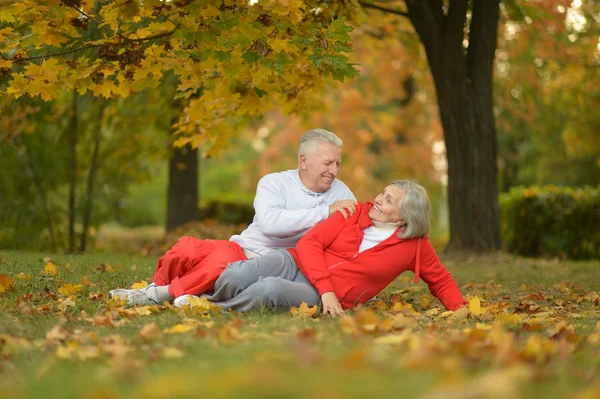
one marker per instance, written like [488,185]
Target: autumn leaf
[172,353]
[304,311]
[85,281]
[150,332]
[139,285]
[50,269]
[178,329]
[69,289]
[23,276]
[6,284]
[475,306]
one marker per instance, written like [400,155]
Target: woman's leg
[273,293]
[238,276]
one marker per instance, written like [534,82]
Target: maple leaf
[50,269]
[150,332]
[69,289]
[6,283]
[304,311]
[23,276]
[475,306]
[139,285]
[178,329]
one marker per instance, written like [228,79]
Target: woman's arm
[311,248]
[440,282]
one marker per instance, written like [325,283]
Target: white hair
[414,209]
[311,140]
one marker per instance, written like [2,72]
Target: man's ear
[302,162]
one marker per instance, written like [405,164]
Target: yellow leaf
[23,276]
[304,311]
[150,332]
[278,44]
[366,319]
[509,319]
[178,329]
[85,281]
[109,268]
[139,285]
[6,63]
[475,306]
[210,11]
[6,283]
[69,289]
[142,311]
[10,345]
[172,353]
[51,269]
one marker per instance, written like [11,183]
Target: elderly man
[287,205]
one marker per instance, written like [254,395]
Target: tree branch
[426,18]
[383,9]
[123,43]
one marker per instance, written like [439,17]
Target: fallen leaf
[150,332]
[85,281]
[178,329]
[304,311]
[51,269]
[366,320]
[56,334]
[475,306]
[69,289]
[6,283]
[23,276]
[139,285]
[172,353]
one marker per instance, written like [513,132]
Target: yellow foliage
[304,311]
[139,285]
[6,283]
[23,276]
[51,269]
[178,329]
[69,289]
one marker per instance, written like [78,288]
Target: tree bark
[87,210]
[463,83]
[182,197]
[42,193]
[73,126]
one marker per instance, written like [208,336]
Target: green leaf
[338,30]
[222,55]
[251,57]
[259,92]
[278,64]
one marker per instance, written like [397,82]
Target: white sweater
[285,210]
[375,234]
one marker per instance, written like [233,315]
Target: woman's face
[386,208]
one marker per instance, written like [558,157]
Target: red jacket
[328,256]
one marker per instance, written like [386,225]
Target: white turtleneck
[375,234]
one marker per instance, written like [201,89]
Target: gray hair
[414,209]
[311,139]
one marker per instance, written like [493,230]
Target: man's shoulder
[340,188]
[283,177]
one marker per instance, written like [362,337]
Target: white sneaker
[145,296]
[183,300]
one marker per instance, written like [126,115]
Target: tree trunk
[73,126]
[87,210]
[463,85]
[42,193]
[182,197]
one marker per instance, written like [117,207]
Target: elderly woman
[342,263]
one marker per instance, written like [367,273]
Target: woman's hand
[331,304]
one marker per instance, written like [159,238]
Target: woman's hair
[414,209]
[311,140]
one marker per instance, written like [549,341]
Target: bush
[552,221]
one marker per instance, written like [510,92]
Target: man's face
[319,169]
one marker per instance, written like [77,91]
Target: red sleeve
[311,247]
[440,282]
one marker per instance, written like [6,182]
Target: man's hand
[331,305]
[346,207]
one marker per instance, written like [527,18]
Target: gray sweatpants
[273,281]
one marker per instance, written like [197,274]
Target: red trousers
[192,266]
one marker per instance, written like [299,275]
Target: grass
[536,336]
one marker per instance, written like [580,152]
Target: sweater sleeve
[440,282]
[311,249]
[274,219]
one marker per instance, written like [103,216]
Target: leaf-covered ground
[531,330]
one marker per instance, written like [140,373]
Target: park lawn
[532,331]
